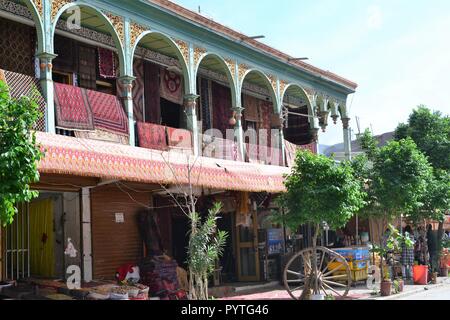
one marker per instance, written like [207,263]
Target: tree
[19,152]
[396,176]
[431,132]
[206,242]
[319,190]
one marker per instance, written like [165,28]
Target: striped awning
[105,160]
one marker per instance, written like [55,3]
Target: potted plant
[399,285]
[386,286]
[391,245]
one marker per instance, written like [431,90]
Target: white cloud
[374,17]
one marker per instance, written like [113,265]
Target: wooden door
[247,251]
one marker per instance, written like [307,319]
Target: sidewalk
[356,293]
[413,289]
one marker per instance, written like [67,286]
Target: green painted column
[282,146]
[127,96]
[238,130]
[46,81]
[347,138]
[190,109]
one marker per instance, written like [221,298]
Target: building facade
[140,99]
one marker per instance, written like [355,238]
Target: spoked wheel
[331,273]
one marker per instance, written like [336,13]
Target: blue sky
[398,51]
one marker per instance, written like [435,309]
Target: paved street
[442,293]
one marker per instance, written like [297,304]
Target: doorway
[247,250]
[180,232]
[228,259]
[35,242]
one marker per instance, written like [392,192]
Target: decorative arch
[268,83]
[304,95]
[115,26]
[178,51]
[226,67]
[36,9]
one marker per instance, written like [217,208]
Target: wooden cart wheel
[299,273]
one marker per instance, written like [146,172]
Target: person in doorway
[421,248]
[432,248]
[407,256]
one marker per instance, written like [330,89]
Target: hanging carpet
[73,111]
[106,65]
[152,136]
[251,108]
[171,87]
[138,89]
[103,135]
[108,112]
[179,138]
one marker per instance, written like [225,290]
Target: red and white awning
[92,158]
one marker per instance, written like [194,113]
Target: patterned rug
[106,66]
[152,136]
[251,108]
[72,108]
[22,85]
[179,138]
[171,87]
[103,136]
[108,112]
[138,89]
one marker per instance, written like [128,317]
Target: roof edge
[222,29]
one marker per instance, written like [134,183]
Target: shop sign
[120,218]
[275,241]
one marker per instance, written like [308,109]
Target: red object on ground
[123,271]
[420,275]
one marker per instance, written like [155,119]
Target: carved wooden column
[127,96]
[190,108]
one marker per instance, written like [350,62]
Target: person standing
[407,254]
[421,248]
[432,248]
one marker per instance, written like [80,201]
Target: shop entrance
[247,250]
[180,232]
[228,259]
[35,242]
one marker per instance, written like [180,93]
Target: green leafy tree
[319,190]
[397,178]
[430,130]
[431,133]
[19,152]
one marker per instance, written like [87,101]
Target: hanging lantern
[323,120]
[233,120]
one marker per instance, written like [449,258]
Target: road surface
[441,293]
